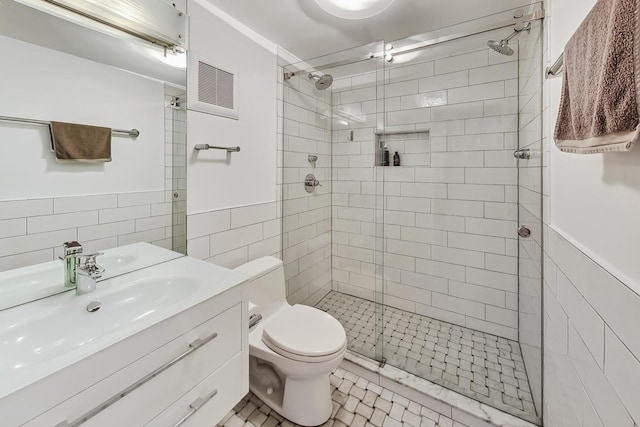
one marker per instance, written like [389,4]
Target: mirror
[81,72]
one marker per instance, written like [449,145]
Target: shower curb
[440,399]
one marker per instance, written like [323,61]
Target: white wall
[48,85]
[595,198]
[217,180]
[233,204]
[591,301]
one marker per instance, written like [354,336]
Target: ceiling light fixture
[354,9]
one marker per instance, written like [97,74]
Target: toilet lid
[304,331]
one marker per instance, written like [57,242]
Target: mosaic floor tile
[365,404]
[482,366]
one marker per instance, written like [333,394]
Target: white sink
[41,280]
[41,337]
[55,332]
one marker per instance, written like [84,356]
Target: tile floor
[484,367]
[356,403]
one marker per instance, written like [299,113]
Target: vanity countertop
[42,337]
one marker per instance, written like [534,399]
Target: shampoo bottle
[396,159]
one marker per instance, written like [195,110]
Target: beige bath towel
[601,87]
[73,143]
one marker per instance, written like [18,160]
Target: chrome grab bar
[200,147]
[200,342]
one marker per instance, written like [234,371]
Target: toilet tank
[265,287]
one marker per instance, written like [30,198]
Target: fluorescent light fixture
[354,9]
[154,21]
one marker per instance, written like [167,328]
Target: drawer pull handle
[195,345]
[195,406]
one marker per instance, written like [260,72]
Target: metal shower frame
[519,19]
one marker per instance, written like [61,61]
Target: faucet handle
[90,266]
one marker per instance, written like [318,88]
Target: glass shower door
[451,284]
[336,121]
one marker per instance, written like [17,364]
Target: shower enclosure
[433,266]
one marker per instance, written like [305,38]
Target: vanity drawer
[152,397]
[214,398]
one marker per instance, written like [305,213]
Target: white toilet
[292,350]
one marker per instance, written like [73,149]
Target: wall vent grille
[215,86]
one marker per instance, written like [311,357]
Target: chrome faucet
[71,262]
[88,273]
[80,271]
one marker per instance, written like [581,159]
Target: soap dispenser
[396,159]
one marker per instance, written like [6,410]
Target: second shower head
[502,46]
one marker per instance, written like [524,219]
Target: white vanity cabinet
[188,370]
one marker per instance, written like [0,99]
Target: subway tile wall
[32,231]
[305,114]
[231,237]
[591,344]
[176,164]
[450,211]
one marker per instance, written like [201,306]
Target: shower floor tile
[482,366]
[356,402]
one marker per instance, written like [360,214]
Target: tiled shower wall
[530,208]
[306,222]
[451,209]
[175,118]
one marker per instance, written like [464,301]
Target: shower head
[502,47]
[322,82]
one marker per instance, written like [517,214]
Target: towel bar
[556,68]
[131,132]
[199,147]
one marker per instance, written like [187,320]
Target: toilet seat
[305,334]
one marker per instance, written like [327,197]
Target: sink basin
[48,334]
[44,336]
[41,280]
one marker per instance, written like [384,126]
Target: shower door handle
[524,232]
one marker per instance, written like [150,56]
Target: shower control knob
[310,183]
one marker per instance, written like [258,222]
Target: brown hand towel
[599,104]
[75,143]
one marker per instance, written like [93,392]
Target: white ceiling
[303,28]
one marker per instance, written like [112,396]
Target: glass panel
[530,208]
[451,217]
[425,271]
[350,111]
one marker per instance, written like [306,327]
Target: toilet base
[305,402]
